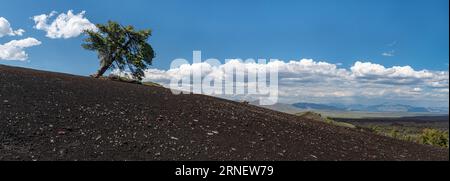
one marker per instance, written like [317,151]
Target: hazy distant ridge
[374,108]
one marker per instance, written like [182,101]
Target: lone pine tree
[120,47]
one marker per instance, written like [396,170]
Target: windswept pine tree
[120,47]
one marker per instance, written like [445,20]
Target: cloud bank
[307,80]
[65,25]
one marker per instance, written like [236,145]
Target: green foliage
[120,47]
[375,129]
[427,136]
[394,133]
[318,117]
[152,84]
[341,124]
[434,137]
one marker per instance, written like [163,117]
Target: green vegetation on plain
[412,133]
[434,137]
[428,136]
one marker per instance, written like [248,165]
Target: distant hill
[383,108]
[286,108]
[395,108]
[312,106]
[438,109]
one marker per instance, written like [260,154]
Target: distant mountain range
[381,108]
[386,107]
[312,106]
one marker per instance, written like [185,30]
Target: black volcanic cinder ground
[52,116]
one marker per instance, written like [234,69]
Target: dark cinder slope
[52,116]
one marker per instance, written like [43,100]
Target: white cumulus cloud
[368,69]
[6,30]
[14,50]
[307,80]
[65,25]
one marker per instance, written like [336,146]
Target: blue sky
[412,32]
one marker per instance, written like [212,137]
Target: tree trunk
[101,71]
[106,62]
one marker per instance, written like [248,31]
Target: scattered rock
[62,152]
[98,137]
[160,118]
